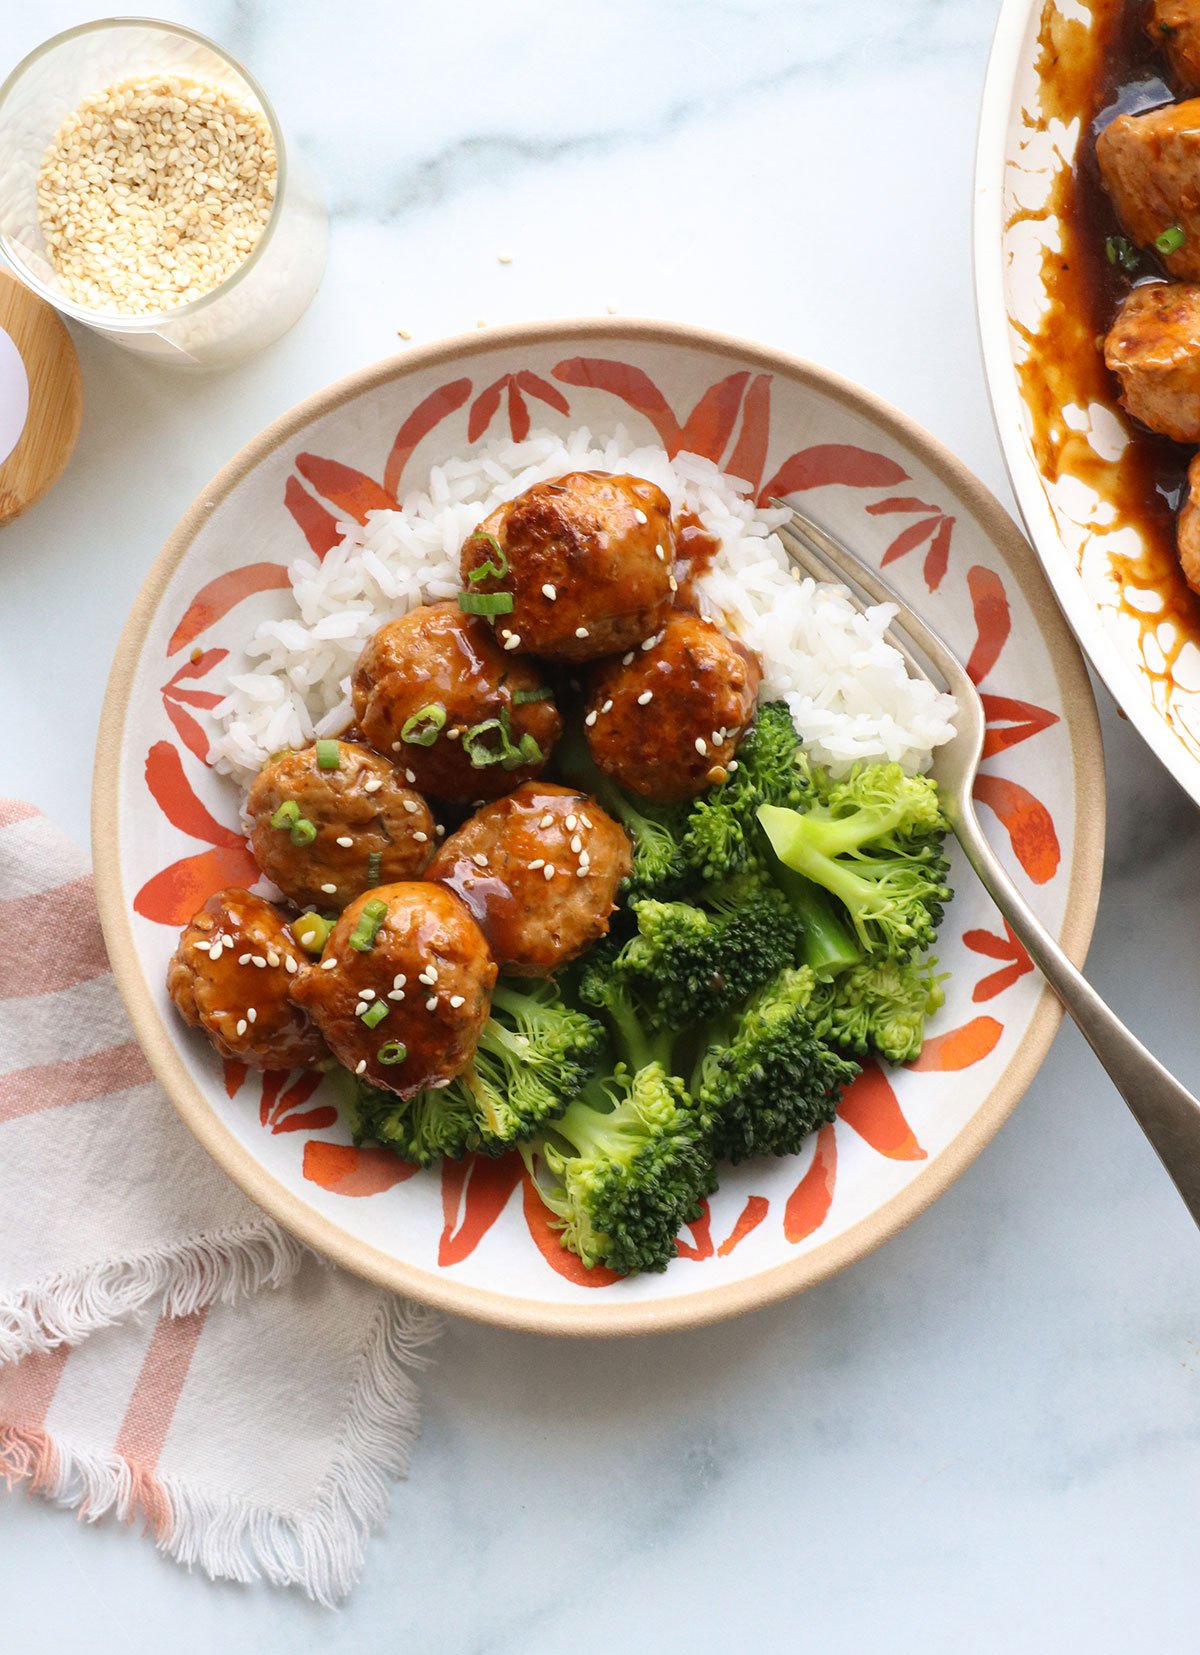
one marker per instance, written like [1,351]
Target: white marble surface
[988,1434]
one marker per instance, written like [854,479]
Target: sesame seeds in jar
[154,191]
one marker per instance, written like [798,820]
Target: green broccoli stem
[638,1048]
[829,945]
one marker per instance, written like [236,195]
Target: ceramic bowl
[1064,435]
[473,1237]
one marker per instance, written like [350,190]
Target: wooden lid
[41,398]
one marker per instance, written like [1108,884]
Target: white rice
[849,692]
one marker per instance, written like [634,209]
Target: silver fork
[1166,1111]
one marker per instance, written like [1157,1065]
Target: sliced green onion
[329,756]
[485,603]
[528,752]
[1119,250]
[424,727]
[288,812]
[474,746]
[1172,239]
[394,1052]
[374,1014]
[312,932]
[489,570]
[543,692]
[362,938]
[374,866]
[303,832]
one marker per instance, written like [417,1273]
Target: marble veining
[987,1435]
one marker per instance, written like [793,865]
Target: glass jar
[256,302]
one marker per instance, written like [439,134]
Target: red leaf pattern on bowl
[995,947]
[214,601]
[355,1172]
[474,1194]
[869,1105]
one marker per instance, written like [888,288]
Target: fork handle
[1166,1111]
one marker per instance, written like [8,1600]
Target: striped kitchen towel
[166,1351]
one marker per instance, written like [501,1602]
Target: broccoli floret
[624,1169]
[874,843]
[721,833]
[691,959]
[767,1078]
[534,1056]
[879,1006]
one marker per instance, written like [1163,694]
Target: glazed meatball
[1149,164]
[539,870]
[436,691]
[1175,26]
[420,956]
[665,721]
[370,829]
[1153,347]
[233,975]
[589,564]
[1189,528]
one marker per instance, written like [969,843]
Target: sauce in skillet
[1101,72]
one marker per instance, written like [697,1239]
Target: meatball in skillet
[1150,164]
[665,721]
[588,561]
[539,870]
[1153,347]
[467,719]
[1189,528]
[232,975]
[403,987]
[1174,25]
[335,820]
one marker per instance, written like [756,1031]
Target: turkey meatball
[665,721]
[1175,26]
[335,820]
[463,717]
[1150,164]
[539,870]
[588,560]
[233,974]
[1153,347]
[403,988]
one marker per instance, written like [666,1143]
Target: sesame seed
[512,640]
[346,840]
[203,946]
[360,1066]
[396,994]
[410,776]
[252,1014]
[581,872]
[259,961]
[646,697]
[396,746]
[546,821]
[411,807]
[538,862]
[581,631]
[241,1026]
[660,554]
[330,890]
[732,766]
[586,820]
[607,707]
[360,1008]
[272,957]
[328,965]
[640,515]
[454,732]
[549,591]
[673,584]
[431,1003]
[649,643]
[440,831]
[366,993]
[428,976]
[590,720]
[479,859]
[372,784]
[420,838]
[571,822]
[548,871]
[457,1000]
[718,736]
[399,980]
[243,959]
[701,745]
[584,859]
[290,965]
[576,843]
[627,658]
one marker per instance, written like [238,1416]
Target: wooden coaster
[41,398]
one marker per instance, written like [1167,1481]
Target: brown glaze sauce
[1096,73]
[695,549]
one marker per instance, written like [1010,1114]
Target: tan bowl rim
[781,1280]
